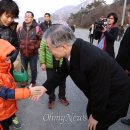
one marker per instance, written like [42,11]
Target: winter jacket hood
[6,49]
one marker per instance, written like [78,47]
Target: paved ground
[36,116]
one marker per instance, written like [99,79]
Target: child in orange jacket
[8,91]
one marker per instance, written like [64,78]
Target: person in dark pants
[30,35]
[123,57]
[72,27]
[98,76]
[62,87]
[51,65]
[91,33]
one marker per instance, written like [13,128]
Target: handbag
[20,76]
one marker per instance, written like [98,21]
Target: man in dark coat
[47,22]
[123,57]
[98,75]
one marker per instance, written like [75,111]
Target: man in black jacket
[123,57]
[97,74]
[47,22]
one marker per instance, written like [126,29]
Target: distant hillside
[87,16]
[65,12]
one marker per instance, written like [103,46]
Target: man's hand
[92,123]
[37,92]
[43,67]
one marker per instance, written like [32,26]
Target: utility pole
[123,14]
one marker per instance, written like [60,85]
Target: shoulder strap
[19,28]
[37,29]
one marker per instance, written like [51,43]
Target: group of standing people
[26,39]
[93,69]
[9,45]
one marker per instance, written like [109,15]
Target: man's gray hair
[59,34]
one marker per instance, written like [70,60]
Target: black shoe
[125,121]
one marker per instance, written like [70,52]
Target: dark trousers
[111,117]
[91,38]
[62,85]
[103,126]
[6,123]
[33,66]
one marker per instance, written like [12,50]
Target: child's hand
[37,92]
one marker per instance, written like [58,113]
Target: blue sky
[39,7]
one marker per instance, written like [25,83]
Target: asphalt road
[36,115]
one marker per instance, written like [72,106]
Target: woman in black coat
[107,35]
[97,74]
